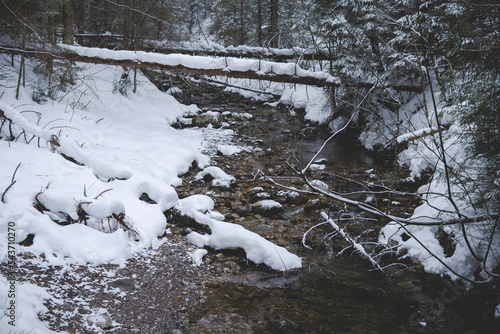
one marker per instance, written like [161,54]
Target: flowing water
[333,292]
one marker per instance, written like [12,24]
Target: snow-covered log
[201,65]
[411,136]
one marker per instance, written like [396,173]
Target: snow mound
[229,149]
[269,204]
[231,236]
[218,176]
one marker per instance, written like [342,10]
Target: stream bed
[332,292]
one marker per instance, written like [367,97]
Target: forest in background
[448,47]
[451,44]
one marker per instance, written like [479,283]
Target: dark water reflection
[330,294]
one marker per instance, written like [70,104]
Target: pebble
[103,321]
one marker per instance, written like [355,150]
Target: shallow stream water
[332,293]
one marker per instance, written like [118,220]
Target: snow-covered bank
[98,147]
[449,244]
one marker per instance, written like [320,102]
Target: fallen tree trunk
[301,76]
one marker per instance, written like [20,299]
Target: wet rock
[281,229]
[291,197]
[102,321]
[243,211]
[267,208]
[312,204]
[208,118]
[283,325]
[124,284]
[145,198]
[260,196]
[231,267]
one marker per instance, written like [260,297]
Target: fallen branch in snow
[12,182]
[422,133]
[243,88]
[66,147]
[358,247]
[4,119]
[402,222]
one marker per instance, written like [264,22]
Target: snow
[231,236]
[242,49]
[28,304]
[415,134]
[229,149]
[124,146]
[420,156]
[174,90]
[268,204]
[317,167]
[220,178]
[200,62]
[319,184]
[197,256]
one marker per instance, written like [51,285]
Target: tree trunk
[127,26]
[259,22]
[242,23]
[376,53]
[67,16]
[274,42]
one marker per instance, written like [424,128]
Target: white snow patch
[319,184]
[28,304]
[229,149]
[197,256]
[268,204]
[231,236]
[221,178]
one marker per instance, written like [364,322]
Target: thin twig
[12,182]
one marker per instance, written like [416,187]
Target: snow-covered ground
[98,148]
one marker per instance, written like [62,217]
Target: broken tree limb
[358,247]
[244,88]
[422,133]
[12,182]
[402,222]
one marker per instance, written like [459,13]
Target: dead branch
[402,222]
[422,133]
[243,88]
[358,247]
[120,218]
[102,192]
[12,182]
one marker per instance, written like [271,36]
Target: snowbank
[422,155]
[85,159]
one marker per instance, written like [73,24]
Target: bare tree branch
[12,182]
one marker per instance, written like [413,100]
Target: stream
[336,291]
